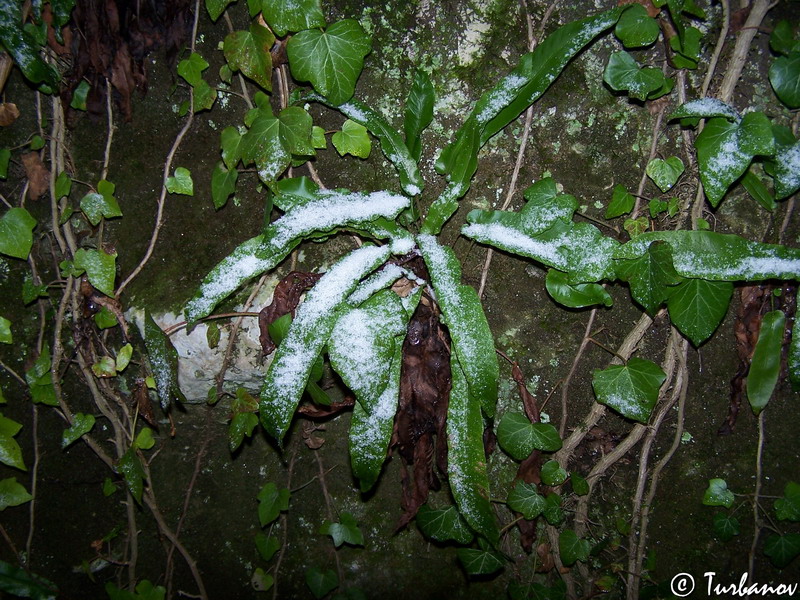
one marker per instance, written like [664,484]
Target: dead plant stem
[562,429]
[757,523]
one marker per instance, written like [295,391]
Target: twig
[330,510]
[13,373]
[650,157]
[562,428]
[34,485]
[757,524]
[284,527]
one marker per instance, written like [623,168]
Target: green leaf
[223,184]
[63,185]
[665,173]
[525,500]
[40,380]
[650,276]
[181,182]
[636,227]
[726,527]
[788,507]
[12,494]
[552,510]
[781,40]
[215,8]
[718,494]
[271,502]
[100,268]
[10,452]
[793,358]
[321,582]
[230,143]
[271,141]
[519,437]
[108,487]
[144,439]
[241,425]
[267,546]
[480,562]
[96,206]
[623,74]
[418,112]
[191,69]
[572,548]
[553,474]
[622,202]
[346,531]
[463,314]
[130,467]
[123,357]
[765,366]
[630,389]
[5,331]
[261,581]
[466,460]
[331,60]
[579,485]
[286,16]
[784,75]
[23,48]
[706,108]
[758,191]
[443,524]
[81,425]
[697,307]
[309,332]
[636,28]
[248,52]
[19,582]
[318,137]
[16,232]
[686,48]
[163,359]
[352,139]
[725,150]
[782,549]
[575,296]
[105,319]
[203,96]
[786,170]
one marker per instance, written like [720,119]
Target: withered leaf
[38,175]
[284,301]
[8,113]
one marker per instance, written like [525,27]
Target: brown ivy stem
[562,428]
[284,521]
[34,484]
[329,509]
[13,373]
[653,151]
[757,522]
[178,326]
[107,152]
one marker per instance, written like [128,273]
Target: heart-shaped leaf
[784,75]
[726,527]
[788,507]
[480,562]
[248,52]
[16,233]
[572,548]
[181,182]
[623,74]
[525,500]
[352,139]
[519,437]
[650,276]
[782,549]
[321,582]
[346,531]
[286,16]
[718,494]
[697,307]
[630,389]
[665,173]
[271,502]
[13,494]
[443,524]
[636,28]
[575,296]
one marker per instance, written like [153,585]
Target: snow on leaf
[630,389]
[286,16]
[706,108]
[163,358]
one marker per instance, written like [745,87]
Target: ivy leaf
[697,307]
[345,531]
[665,173]
[718,494]
[266,545]
[223,184]
[81,425]
[96,205]
[63,185]
[181,182]
[758,191]
[320,582]
[480,562]
[271,141]
[203,97]
[144,439]
[443,524]
[241,425]
[706,108]
[786,169]
[726,527]
[23,48]
[230,143]
[519,437]
[622,202]
[636,28]
[191,69]
[318,138]
[572,548]
[331,60]
[686,48]
[5,331]
[781,40]
[123,357]
[248,52]
[130,467]
[784,75]
[765,366]
[104,367]
[650,276]
[788,507]
[553,474]
[40,380]
[575,296]
[552,510]
[12,493]
[100,268]
[286,16]
[630,389]
[525,500]
[725,150]
[163,358]
[271,502]
[16,232]
[579,485]
[352,139]
[418,112]
[10,452]
[782,549]
[23,584]
[215,8]
[623,74]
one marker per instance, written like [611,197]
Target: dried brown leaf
[38,175]
[8,113]
[284,301]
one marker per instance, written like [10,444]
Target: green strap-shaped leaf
[310,330]
[418,112]
[443,524]
[650,276]
[706,108]
[16,233]
[163,360]
[248,52]
[286,16]
[22,46]
[466,459]
[331,60]
[322,211]
[697,307]
[718,256]
[793,360]
[630,389]
[575,296]
[765,366]
[392,144]
[463,314]
[725,150]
